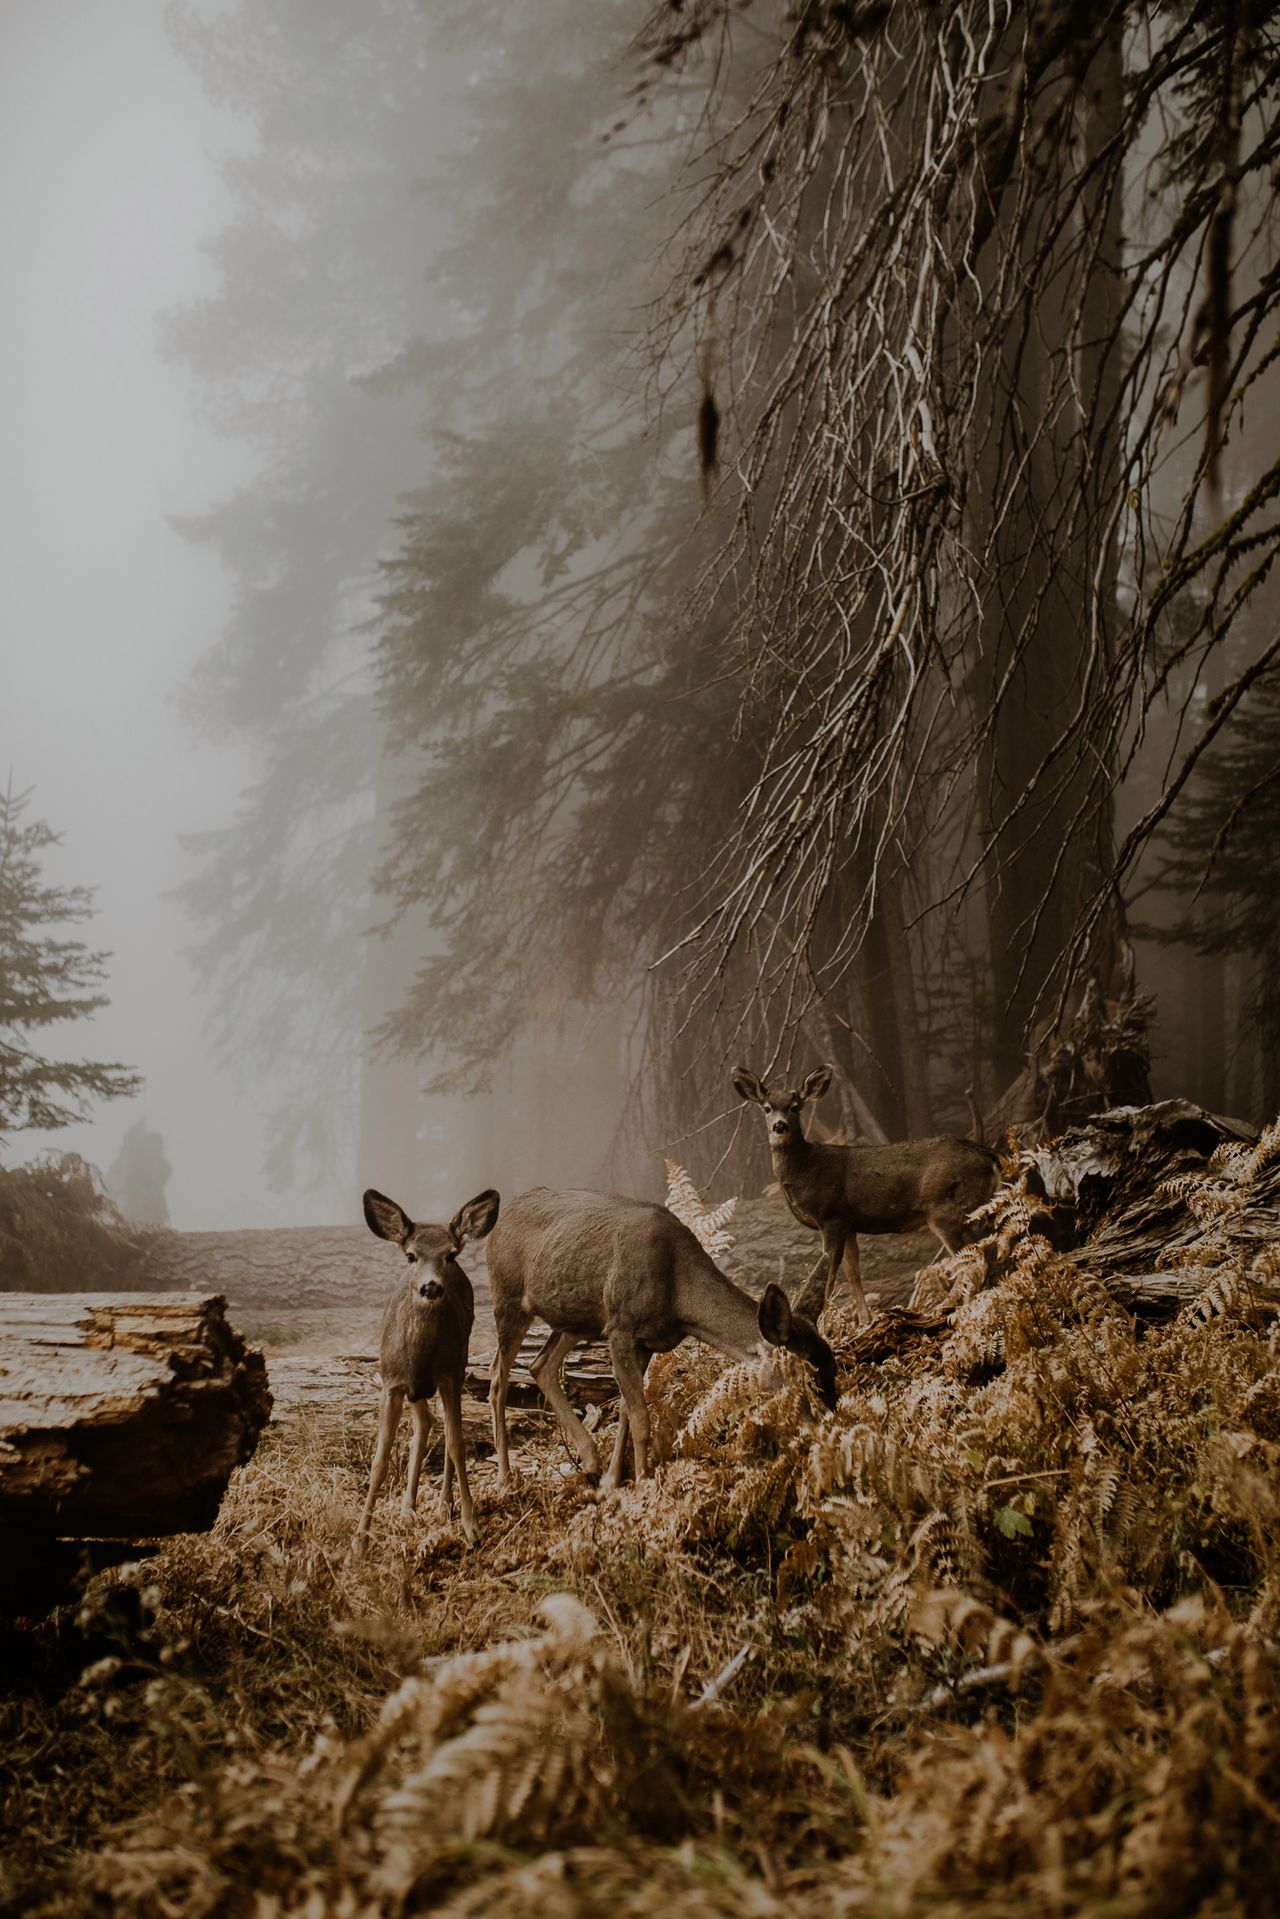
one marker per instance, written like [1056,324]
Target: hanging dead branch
[961,260]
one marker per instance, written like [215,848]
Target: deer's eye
[412,1258]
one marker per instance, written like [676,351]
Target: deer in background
[598,1266]
[426,1329]
[841,1191]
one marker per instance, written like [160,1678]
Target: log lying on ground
[122,1417]
[1163,1203]
[586,1374]
[1143,1209]
[307,1266]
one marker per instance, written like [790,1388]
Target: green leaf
[1012,1523]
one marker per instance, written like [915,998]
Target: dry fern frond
[944,1615]
[737,1387]
[708,1224]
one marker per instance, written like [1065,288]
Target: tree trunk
[1049,623]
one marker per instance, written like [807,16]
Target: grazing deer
[425,1332]
[841,1191]
[598,1266]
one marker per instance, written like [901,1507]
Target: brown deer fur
[426,1329]
[599,1266]
[841,1191]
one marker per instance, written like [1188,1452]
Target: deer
[601,1266]
[841,1191]
[426,1329]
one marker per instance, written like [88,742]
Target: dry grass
[1012,1619]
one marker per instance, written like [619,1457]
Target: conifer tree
[46,979]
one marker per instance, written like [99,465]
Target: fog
[106,146]
[354,549]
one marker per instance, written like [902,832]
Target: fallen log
[1164,1204]
[302,1266]
[894,1332]
[343,1390]
[586,1374]
[122,1417]
[1142,1208]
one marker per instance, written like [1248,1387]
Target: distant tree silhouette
[138,1176]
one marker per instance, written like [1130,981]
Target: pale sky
[107,158]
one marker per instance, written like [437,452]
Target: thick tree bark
[305,1265]
[1049,630]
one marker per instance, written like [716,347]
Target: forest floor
[998,1636]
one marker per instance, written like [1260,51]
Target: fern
[708,1224]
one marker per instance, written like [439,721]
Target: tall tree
[320,287]
[574,760]
[948,390]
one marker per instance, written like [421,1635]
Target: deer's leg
[812,1296]
[546,1370]
[955,1229]
[456,1454]
[509,1337]
[628,1370]
[834,1238]
[853,1273]
[389,1409]
[420,1414]
[614,1471]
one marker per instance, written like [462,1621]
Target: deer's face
[432,1251]
[782,1107]
[432,1257]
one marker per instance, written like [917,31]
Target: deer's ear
[817,1083]
[476,1218]
[385,1218]
[747,1085]
[774,1317]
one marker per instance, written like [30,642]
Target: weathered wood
[587,1373]
[1108,1184]
[299,1266]
[343,1391]
[121,1415]
[892,1333]
[1092,1057]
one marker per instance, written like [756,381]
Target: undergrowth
[998,1636]
[60,1232]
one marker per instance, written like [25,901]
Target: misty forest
[639,960]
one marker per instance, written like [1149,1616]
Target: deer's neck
[792,1156]
[713,1309]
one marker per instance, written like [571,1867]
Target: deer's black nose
[781,1126]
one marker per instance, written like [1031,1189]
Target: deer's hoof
[469,1533]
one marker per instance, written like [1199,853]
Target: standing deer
[425,1331]
[841,1191]
[598,1266]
